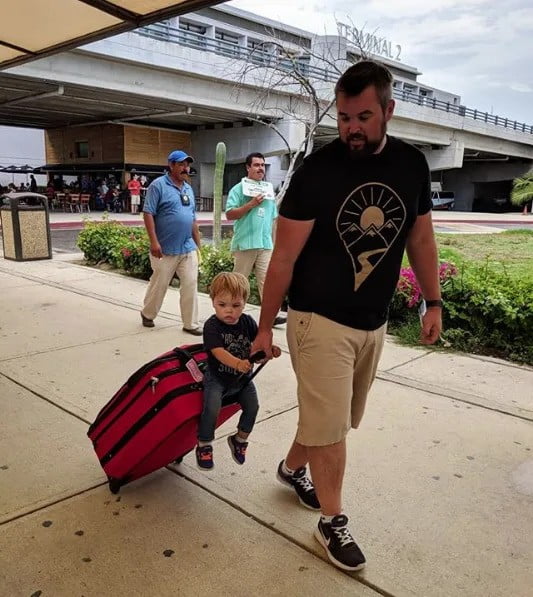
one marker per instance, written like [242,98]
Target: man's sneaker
[279,320]
[339,544]
[302,484]
[204,457]
[238,449]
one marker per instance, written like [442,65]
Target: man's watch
[435,303]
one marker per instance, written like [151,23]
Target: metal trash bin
[25,226]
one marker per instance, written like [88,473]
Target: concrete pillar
[447,157]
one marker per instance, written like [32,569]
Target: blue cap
[179,156]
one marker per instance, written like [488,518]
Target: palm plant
[522,191]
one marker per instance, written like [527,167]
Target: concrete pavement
[439,485]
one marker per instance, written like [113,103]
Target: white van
[443,199]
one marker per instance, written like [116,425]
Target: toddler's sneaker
[204,457]
[238,449]
[302,484]
[339,544]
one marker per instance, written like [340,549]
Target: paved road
[64,241]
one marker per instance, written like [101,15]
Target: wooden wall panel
[53,143]
[106,144]
[152,146]
[169,140]
[112,143]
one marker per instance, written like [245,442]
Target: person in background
[254,217]
[134,187]
[33,184]
[170,218]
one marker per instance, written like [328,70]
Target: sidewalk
[439,484]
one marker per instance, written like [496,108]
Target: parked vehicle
[443,199]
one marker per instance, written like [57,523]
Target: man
[338,251]
[134,187]
[254,217]
[170,218]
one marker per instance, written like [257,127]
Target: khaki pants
[186,268]
[335,366]
[253,259]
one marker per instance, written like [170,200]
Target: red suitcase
[153,419]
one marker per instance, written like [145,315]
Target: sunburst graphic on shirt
[368,223]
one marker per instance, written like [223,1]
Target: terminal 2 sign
[368,42]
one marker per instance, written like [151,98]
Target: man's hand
[431,326]
[257,200]
[155,250]
[263,341]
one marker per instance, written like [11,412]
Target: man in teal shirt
[254,217]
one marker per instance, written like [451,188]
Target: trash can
[25,226]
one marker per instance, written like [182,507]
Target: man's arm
[238,212]
[196,233]
[155,247]
[423,257]
[291,237]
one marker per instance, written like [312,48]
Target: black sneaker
[302,484]
[279,320]
[204,457]
[238,449]
[339,544]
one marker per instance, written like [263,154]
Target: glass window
[82,149]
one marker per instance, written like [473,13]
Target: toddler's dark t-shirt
[236,339]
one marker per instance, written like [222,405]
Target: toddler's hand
[243,366]
[276,351]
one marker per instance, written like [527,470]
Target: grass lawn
[513,249]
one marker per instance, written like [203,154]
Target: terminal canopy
[32,29]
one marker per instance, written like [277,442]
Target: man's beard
[369,147]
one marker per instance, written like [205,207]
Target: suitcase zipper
[151,384]
[147,417]
[194,349]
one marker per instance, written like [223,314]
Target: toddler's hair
[236,284]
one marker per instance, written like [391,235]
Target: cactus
[220,164]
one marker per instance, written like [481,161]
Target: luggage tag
[194,370]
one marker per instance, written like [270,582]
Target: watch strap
[435,303]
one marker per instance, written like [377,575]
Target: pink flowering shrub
[408,291]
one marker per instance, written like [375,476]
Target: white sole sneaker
[335,562]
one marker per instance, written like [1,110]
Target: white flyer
[252,188]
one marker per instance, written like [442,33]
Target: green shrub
[98,240]
[486,311]
[216,260]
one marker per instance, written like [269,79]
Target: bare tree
[296,82]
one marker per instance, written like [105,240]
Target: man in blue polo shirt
[170,218]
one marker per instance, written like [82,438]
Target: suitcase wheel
[114,485]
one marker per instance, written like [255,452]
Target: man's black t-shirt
[236,339]
[363,210]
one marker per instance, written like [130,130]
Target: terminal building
[119,105]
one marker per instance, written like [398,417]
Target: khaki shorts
[335,366]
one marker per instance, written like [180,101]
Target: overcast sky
[479,49]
